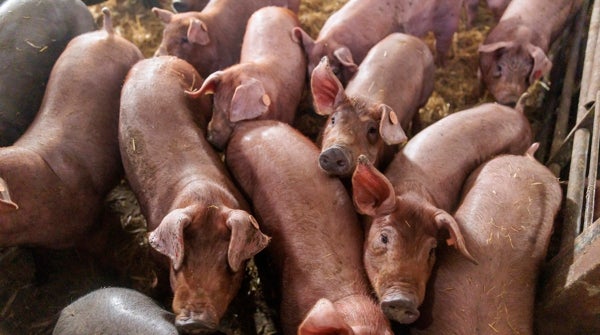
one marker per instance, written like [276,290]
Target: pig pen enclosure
[36,284]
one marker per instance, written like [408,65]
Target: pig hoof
[400,310]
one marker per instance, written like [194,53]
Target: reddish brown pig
[408,207]
[196,216]
[513,55]
[316,246]
[506,217]
[379,104]
[356,27]
[211,40]
[265,84]
[59,172]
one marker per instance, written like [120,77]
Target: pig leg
[444,31]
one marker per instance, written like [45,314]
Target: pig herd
[346,232]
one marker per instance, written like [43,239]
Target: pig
[114,310]
[506,216]
[196,217]
[408,207]
[211,40]
[181,6]
[372,115]
[55,177]
[33,34]
[497,7]
[315,252]
[265,84]
[514,53]
[358,25]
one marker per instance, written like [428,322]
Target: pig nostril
[400,310]
[341,163]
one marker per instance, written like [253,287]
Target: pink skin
[56,176]
[181,6]
[408,207]
[380,103]
[265,84]
[196,216]
[506,217]
[497,7]
[315,252]
[345,46]
[513,55]
[211,40]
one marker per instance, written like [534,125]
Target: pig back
[442,155]
[33,34]
[316,239]
[506,216]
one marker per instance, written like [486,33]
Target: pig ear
[164,15]
[443,220]
[301,36]
[541,63]
[372,192]
[323,318]
[198,32]
[390,128]
[6,204]
[209,85]
[167,238]
[246,238]
[327,90]
[249,101]
[344,56]
[486,48]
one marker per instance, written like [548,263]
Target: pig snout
[197,322]
[400,308]
[336,160]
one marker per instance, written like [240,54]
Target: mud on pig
[314,257]
[408,207]
[379,105]
[58,173]
[196,216]
[266,84]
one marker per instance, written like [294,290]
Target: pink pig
[356,27]
[266,84]
[211,40]
[407,208]
[315,252]
[497,7]
[378,106]
[196,216]
[506,217]
[513,55]
[54,178]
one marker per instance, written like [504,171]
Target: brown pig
[378,106]
[196,216]
[266,84]
[408,207]
[358,25]
[58,173]
[506,217]
[316,247]
[513,55]
[211,39]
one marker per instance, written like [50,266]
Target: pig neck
[514,29]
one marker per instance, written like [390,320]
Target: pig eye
[184,40]
[372,133]
[432,252]
[498,71]
[384,238]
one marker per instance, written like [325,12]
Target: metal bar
[593,167]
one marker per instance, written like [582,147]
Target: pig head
[354,126]
[401,230]
[204,286]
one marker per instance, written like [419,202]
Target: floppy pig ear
[246,238]
[301,36]
[390,128]
[6,204]
[198,32]
[209,85]
[326,88]
[162,14]
[485,48]
[323,318]
[249,101]
[443,220]
[344,56]
[372,192]
[541,63]
[167,238]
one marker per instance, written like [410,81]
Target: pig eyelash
[384,238]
